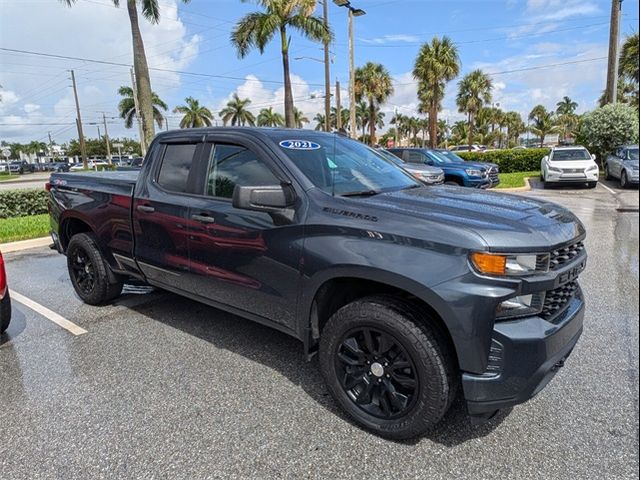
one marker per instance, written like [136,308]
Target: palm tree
[474,91]
[268,118]
[629,59]
[515,126]
[127,107]
[566,106]
[151,11]
[436,64]
[362,116]
[299,118]
[236,112]
[319,119]
[373,83]
[344,118]
[194,114]
[460,132]
[255,30]
[543,123]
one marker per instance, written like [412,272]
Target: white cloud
[88,30]
[390,39]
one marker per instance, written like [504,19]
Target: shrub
[20,203]
[509,161]
[605,128]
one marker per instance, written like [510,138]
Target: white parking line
[49,314]
[611,191]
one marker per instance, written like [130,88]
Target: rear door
[245,259]
[161,212]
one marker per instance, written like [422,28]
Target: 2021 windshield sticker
[299,145]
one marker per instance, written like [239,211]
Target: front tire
[5,313]
[92,280]
[389,371]
[624,179]
[607,173]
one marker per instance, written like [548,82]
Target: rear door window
[176,166]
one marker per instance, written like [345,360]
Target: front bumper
[525,355]
[588,177]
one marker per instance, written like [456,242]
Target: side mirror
[545,158]
[593,157]
[270,198]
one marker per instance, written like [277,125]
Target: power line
[166,70]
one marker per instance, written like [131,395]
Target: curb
[526,188]
[25,244]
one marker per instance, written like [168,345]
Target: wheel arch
[332,291]
[70,226]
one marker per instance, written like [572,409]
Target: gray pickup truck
[409,294]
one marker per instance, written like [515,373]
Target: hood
[505,222]
[579,164]
[465,164]
[416,167]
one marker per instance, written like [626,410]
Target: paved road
[28,180]
[162,387]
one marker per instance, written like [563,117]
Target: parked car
[5,301]
[404,291]
[468,148]
[137,162]
[21,166]
[60,167]
[457,171]
[622,164]
[425,173]
[4,167]
[569,165]
[91,164]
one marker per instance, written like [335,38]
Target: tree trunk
[471,120]
[143,82]
[542,135]
[289,116]
[372,123]
[433,125]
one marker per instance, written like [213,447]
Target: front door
[245,259]
[161,214]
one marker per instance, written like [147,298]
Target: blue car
[457,171]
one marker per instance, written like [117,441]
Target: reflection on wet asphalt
[161,386]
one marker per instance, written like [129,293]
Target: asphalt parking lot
[163,387]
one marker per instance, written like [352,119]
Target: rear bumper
[525,355]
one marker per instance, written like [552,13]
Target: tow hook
[558,365]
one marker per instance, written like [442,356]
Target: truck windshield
[341,166]
[448,156]
[568,155]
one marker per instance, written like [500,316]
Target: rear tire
[397,380]
[90,275]
[5,313]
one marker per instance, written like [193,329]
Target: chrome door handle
[203,218]
[145,209]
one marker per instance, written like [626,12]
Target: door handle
[203,218]
[145,209]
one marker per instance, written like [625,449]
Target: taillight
[47,186]
[3,276]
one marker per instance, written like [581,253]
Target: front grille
[556,300]
[572,170]
[564,255]
[493,174]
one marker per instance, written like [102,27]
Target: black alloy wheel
[377,373]
[83,271]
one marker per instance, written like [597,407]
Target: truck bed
[96,180]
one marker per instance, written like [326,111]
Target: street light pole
[353,12]
[612,67]
[327,73]
[352,81]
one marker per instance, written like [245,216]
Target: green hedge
[510,161]
[20,203]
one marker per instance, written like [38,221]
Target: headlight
[520,306]
[473,172]
[592,168]
[509,265]
[555,170]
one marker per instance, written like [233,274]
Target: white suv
[569,165]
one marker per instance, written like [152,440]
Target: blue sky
[514,40]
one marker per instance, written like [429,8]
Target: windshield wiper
[363,193]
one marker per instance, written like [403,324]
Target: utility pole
[138,113]
[50,145]
[106,137]
[83,147]
[98,127]
[352,81]
[612,67]
[327,73]
[338,107]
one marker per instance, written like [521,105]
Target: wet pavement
[163,387]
